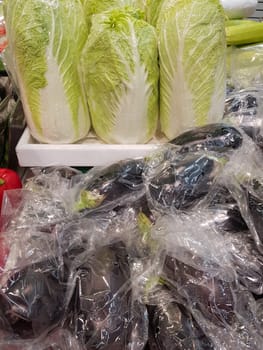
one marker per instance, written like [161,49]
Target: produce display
[76,62]
[162,252]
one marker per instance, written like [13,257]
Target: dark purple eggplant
[242,109]
[211,296]
[249,196]
[111,186]
[255,208]
[226,212]
[101,304]
[213,137]
[184,184]
[34,299]
[247,260]
[172,327]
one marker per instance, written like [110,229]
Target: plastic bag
[151,253]
[107,188]
[86,280]
[181,181]
[244,109]
[245,67]
[172,326]
[200,272]
[102,307]
[218,137]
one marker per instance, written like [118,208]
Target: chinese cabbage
[45,43]
[121,73]
[93,7]
[192,49]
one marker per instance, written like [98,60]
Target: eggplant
[226,212]
[111,186]
[211,296]
[183,184]
[242,109]
[250,201]
[101,304]
[33,299]
[172,327]
[255,208]
[217,137]
[247,260]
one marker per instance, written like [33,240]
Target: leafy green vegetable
[121,72]
[192,49]
[45,42]
[92,7]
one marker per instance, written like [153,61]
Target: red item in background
[9,180]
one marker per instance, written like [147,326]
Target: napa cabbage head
[45,43]
[120,64]
[92,7]
[192,50]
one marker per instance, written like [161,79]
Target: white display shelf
[89,152]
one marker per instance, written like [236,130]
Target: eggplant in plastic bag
[224,210]
[109,187]
[212,137]
[248,192]
[102,302]
[172,327]
[212,296]
[34,299]
[197,265]
[183,183]
[247,261]
[244,109]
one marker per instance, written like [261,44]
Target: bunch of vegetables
[162,252]
[81,62]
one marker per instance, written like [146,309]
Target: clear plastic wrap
[181,181]
[76,279]
[244,109]
[106,188]
[172,326]
[218,137]
[242,176]
[245,66]
[160,253]
[200,272]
